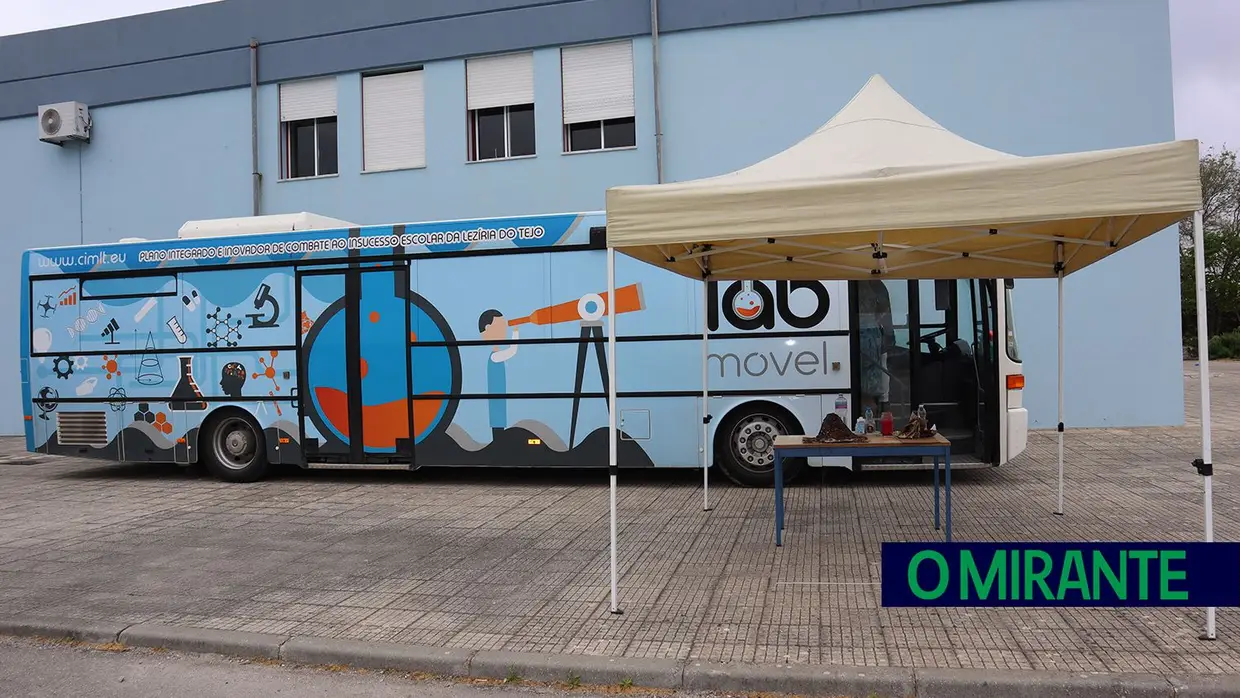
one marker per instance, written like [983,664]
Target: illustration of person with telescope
[493,327]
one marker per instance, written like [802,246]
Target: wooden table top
[873,441]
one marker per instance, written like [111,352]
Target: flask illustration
[186,396]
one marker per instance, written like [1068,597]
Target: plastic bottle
[860,428]
[869,420]
[841,406]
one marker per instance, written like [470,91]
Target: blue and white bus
[295,339]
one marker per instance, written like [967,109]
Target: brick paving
[518,561]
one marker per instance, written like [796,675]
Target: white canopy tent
[883,191]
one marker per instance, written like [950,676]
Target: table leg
[779,499]
[936,493]
[948,478]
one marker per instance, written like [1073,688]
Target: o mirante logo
[1061,574]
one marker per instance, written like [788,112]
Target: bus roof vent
[256,225]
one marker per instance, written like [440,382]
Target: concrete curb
[586,670]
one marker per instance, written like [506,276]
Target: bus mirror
[943,294]
[1009,283]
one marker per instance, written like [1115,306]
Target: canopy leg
[1059,264]
[1205,464]
[613,435]
[705,396]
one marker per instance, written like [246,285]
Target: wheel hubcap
[235,444]
[753,441]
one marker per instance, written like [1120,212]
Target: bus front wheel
[234,448]
[745,445]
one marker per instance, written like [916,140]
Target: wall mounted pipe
[255,176]
[658,101]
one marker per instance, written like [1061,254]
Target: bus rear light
[1016,381]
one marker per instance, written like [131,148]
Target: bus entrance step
[959,462]
[358,466]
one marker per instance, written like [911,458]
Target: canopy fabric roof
[882,178]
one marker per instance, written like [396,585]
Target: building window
[499,97]
[308,128]
[598,96]
[311,147]
[393,121]
[600,135]
[501,132]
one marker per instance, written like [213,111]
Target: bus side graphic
[484,360]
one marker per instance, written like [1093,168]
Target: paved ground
[32,670]
[519,561]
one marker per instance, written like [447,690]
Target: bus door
[985,349]
[354,374]
[927,343]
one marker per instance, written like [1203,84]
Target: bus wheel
[234,448]
[745,445]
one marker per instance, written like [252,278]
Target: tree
[1220,195]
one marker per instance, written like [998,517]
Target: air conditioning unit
[66,121]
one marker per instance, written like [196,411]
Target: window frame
[472,117]
[286,143]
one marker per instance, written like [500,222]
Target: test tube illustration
[146,308]
[175,326]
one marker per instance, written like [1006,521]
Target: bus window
[1013,351]
[129,287]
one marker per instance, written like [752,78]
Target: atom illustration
[116,399]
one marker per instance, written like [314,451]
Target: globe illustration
[383,337]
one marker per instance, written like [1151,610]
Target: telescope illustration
[589,310]
[591,307]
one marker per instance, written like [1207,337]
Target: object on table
[833,430]
[917,428]
[886,423]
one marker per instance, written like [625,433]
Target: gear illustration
[63,366]
[80,363]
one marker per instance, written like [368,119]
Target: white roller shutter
[393,121]
[499,81]
[598,81]
[308,99]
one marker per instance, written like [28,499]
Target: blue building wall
[1026,76]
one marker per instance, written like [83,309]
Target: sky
[1203,47]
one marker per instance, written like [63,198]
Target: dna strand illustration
[85,320]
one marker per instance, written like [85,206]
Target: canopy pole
[1059,265]
[1205,464]
[613,435]
[705,394]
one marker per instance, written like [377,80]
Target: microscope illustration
[590,311]
[262,298]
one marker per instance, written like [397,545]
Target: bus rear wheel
[745,445]
[234,448]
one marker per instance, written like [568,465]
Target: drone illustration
[46,306]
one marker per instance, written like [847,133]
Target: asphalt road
[36,670]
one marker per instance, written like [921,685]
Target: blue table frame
[877,445]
